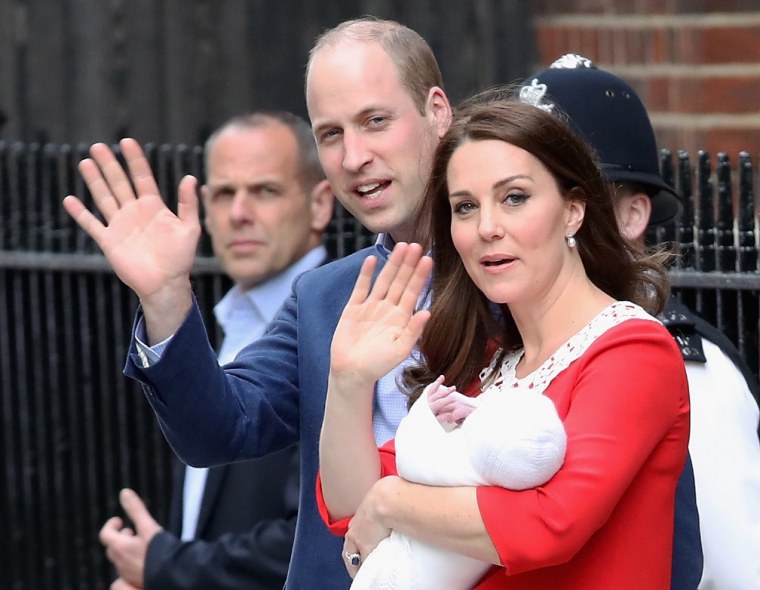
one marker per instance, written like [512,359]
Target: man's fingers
[110,530]
[101,192]
[137,512]
[117,183]
[122,584]
[139,168]
[84,218]
[187,206]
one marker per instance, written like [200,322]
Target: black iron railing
[75,431]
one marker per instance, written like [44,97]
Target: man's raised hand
[149,247]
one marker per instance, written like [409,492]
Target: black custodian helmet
[608,113]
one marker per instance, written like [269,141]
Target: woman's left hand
[366,530]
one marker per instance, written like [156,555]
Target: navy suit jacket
[271,396]
[245,529]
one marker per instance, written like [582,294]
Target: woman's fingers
[389,271]
[363,281]
[403,278]
[401,268]
[416,283]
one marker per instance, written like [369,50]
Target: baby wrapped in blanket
[509,438]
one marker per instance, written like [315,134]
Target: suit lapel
[214,481]
[175,506]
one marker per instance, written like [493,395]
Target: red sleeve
[624,404]
[387,467]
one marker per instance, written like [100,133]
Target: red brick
[731,45]
[637,47]
[732,141]
[661,46]
[604,50]
[656,7]
[730,95]
[708,6]
[713,95]
[667,139]
[678,45]
[688,46]
[657,93]
[545,37]
[563,7]
[551,43]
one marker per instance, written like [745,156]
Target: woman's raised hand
[379,325]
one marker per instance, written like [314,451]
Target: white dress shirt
[725,452]
[244,317]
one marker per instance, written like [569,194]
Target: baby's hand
[447,404]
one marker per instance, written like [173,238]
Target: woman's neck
[547,326]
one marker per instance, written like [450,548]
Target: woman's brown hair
[462,319]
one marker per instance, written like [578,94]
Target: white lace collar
[538,380]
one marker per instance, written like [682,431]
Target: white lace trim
[538,380]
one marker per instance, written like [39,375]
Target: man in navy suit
[377,108]
[266,206]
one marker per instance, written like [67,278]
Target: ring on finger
[354,559]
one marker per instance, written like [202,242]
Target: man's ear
[322,201]
[438,110]
[633,212]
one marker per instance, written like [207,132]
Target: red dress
[605,520]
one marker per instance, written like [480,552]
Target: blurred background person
[266,207]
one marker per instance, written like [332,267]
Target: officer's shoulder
[682,324]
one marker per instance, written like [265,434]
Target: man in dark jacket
[266,206]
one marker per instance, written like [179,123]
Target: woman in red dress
[534,288]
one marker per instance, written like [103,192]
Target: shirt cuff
[149,355]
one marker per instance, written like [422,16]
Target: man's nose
[356,152]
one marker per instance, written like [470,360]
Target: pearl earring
[571,241]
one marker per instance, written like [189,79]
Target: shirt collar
[267,298]
[384,245]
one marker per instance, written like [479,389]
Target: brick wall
[696,64]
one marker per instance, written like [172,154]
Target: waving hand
[379,325]
[149,247]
